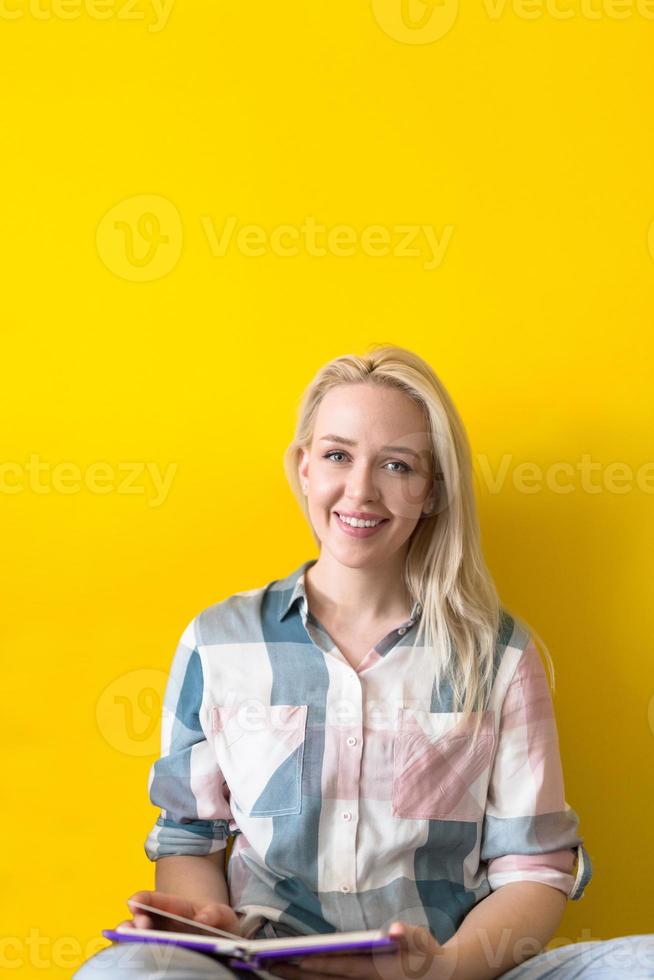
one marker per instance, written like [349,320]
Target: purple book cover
[245,953]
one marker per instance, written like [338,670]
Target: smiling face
[382,472]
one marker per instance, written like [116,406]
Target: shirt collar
[291,590]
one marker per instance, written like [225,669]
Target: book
[253,953]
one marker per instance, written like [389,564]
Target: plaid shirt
[353,795]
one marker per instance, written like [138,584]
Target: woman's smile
[358,532]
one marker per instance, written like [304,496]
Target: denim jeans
[608,959]
[623,958]
[158,961]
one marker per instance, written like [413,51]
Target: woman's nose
[361,485]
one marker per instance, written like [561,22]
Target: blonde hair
[445,570]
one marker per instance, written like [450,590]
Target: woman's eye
[395,462]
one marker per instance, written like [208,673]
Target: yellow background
[529,138]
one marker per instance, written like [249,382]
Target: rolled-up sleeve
[186,782]
[529,832]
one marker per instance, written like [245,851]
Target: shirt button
[351,740]
[345,888]
[347,815]
[402,630]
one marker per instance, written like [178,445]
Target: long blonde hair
[445,571]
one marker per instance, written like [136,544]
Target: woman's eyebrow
[351,442]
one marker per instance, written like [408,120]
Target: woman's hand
[420,957]
[205,913]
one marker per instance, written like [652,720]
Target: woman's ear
[303,466]
[429,504]
[433,501]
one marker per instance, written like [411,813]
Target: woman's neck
[338,592]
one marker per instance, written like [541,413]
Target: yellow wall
[517,133]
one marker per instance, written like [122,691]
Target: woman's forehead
[372,414]
[357,399]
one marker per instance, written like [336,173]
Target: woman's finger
[218,915]
[419,951]
[167,903]
[163,901]
[142,920]
[334,966]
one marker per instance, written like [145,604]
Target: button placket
[349,820]
[350,738]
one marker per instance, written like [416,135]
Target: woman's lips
[359,532]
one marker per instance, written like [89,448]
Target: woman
[375,731]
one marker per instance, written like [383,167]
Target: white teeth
[355,522]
